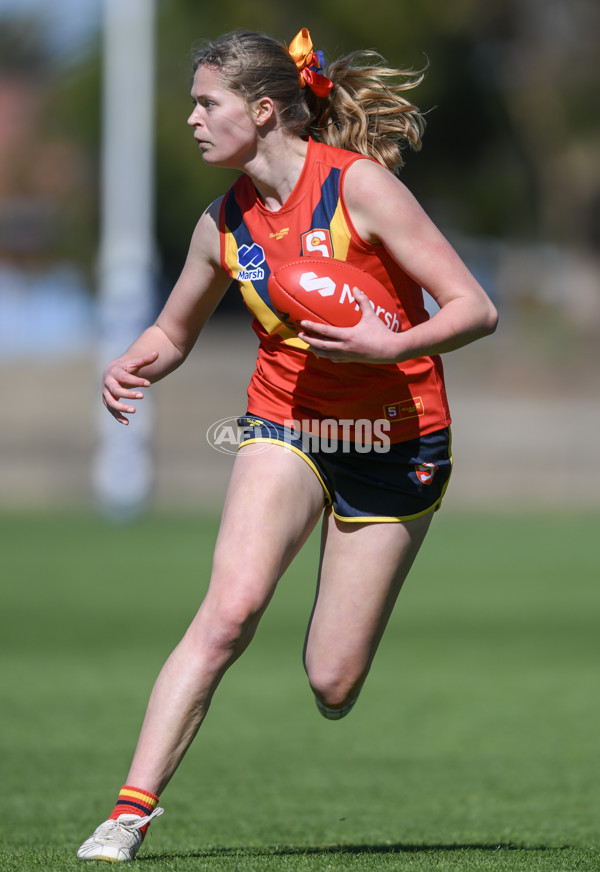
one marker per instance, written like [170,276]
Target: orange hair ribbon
[309,63]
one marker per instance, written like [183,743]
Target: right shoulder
[211,214]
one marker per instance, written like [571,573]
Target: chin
[208,158]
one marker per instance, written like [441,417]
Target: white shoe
[116,841]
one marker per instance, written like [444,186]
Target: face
[223,126]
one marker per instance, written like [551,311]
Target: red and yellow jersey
[290,382]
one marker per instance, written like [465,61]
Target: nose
[194,117]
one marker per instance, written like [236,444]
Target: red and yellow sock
[132,800]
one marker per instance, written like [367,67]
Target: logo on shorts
[425,472]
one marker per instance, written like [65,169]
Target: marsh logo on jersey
[425,472]
[317,242]
[250,258]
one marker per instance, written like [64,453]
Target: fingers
[117,410]
[368,341]
[112,396]
[329,344]
[126,371]
[313,330]
[122,383]
[137,363]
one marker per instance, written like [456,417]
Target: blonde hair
[364,112]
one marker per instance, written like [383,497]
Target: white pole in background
[123,470]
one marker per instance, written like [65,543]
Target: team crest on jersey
[425,472]
[250,258]
[317,242]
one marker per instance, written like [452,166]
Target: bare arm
[165,345]
[384,212]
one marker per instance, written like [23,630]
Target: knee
[335,688]
[225,627]
[230,632]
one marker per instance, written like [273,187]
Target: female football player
[317,150]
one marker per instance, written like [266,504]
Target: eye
[203,102]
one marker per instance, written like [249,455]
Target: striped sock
[132,800]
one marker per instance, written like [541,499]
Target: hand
[121,380]
[369,341]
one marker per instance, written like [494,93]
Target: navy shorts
[397,482]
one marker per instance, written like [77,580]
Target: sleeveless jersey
[290,382]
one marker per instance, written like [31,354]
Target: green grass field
[475,744]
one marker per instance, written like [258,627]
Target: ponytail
[365,111]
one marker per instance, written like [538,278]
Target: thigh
[273,502]
[363,568]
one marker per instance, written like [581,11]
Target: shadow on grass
[325,850]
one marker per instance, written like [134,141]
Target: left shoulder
[376,199]
[332,155]
[366,177]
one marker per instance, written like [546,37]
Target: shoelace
[146,820]
[139,822]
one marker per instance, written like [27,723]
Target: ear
[263,111]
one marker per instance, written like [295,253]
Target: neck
[276,168]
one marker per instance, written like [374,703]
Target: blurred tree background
[509,169]
[512,145]
[510,155]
